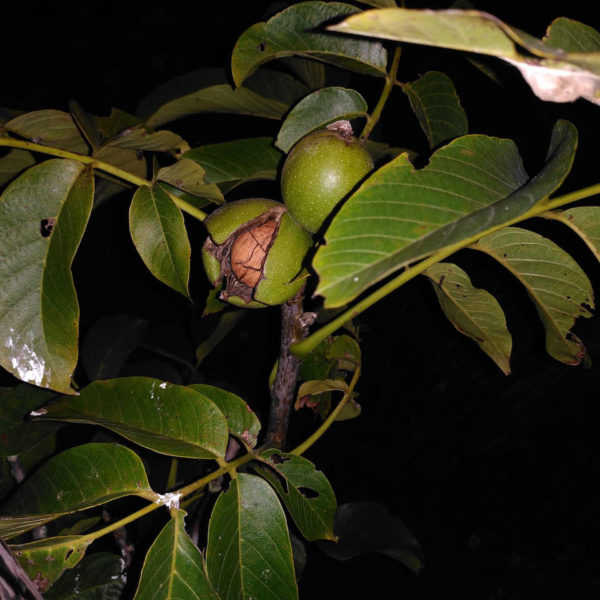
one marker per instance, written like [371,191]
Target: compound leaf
[401,214]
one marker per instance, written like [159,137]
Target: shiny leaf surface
[401,214]
[557,285]
[174,567]
[249,553]
[473,311]
[159,234]
[305,491]
[298,30]
[43,214]
[169,419]
[78,478]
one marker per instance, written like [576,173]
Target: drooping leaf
[401,214]
[169,419]
[317,110]
[299,30]
[370,527]
[437,106]
[241,419]
[188,176]
[554,74]
[268,95]
[17,435]
[159,234]
[13,163]
[49,127]
[559,288]
[473,311]
[249,554]
[584,221]
[305,491]
[108,343]
[174,567]
[44,561]
[98,576]
[233,163]
[78,478]
[43,214]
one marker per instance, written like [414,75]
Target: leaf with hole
[174,567]
[559,288]
[43,215]
[299,31]
[44,561]
[401,214]
[473,311]
[159,234]
[76,479]
[434,100]
[169,419]
[249,554]
[305,491]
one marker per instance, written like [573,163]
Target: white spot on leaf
[26,364]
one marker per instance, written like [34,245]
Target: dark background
[497,477]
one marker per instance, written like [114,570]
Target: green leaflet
[249,554]
[173,567]
[43,215]
[401,214]
[557,285]
[169,419]
[78,478]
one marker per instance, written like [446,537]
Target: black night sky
[497,477]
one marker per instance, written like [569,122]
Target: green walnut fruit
[319,171]
[255,251]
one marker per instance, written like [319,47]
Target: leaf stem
[328,422]
[305,347]
[101,166]
[390,81]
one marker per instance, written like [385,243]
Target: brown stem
[294,328]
